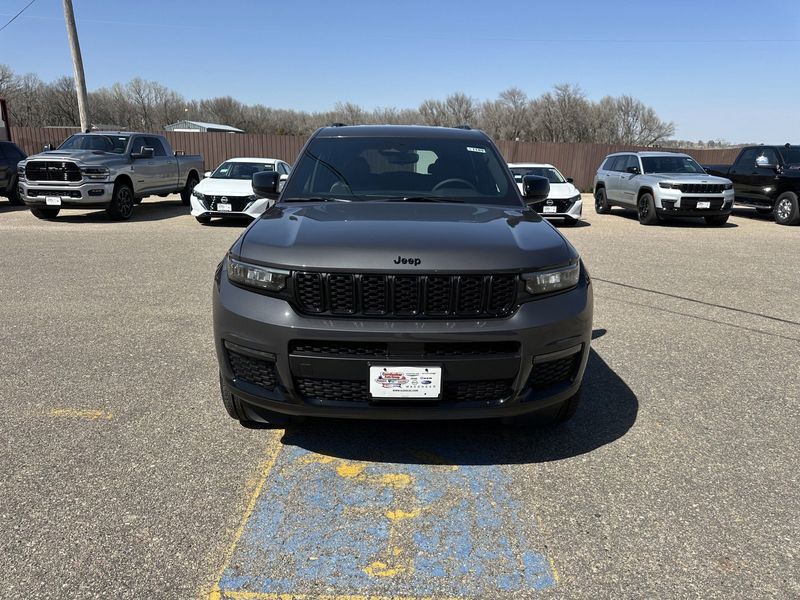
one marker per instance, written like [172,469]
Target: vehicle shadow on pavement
[677,222]
[608,410]
[8,207]
[751,213]
[575,225]
[146,211]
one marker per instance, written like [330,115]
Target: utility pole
[77,66]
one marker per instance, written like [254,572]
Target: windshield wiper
[315,199]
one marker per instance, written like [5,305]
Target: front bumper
[676,204]
[574,211]
[500,367]
[253,210]
[90,194]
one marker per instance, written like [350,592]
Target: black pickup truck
[767,178]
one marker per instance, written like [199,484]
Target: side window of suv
[606,166]
[619,162]
[633,161]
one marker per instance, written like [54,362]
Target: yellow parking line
[265,467]
[276,596]
[81,413]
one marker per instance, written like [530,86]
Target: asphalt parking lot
[124,478]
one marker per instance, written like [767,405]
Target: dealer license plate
[405,382]
[704,205]
[52,201]
[550,209]
[224,207]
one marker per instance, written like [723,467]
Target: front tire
[122,202]
[13,194]
[716,220]
[601,205]
[186,192]
[647,210]
[45,213]
[787,211]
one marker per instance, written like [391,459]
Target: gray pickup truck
[111,170]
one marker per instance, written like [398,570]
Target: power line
[16,15]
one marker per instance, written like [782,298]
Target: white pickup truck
[111,170]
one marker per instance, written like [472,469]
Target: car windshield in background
[103,143]
[240,170]
[791,156]
[670,164]
[404,168]
[553,176]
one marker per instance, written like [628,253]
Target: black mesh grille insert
[253,370]
[358,391]
[405,295]
[552,372]
[382,349]
[326,348]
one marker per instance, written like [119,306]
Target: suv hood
[376,236]
[688,177]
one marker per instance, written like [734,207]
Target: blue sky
[716,69]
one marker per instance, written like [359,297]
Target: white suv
[661,184]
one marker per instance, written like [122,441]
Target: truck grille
[358,391]
[50,170]
[702,188]
[405,295]
[238,203]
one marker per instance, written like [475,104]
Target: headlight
[21,171]
[728,186]
[575,198]
[95,172]
[667,186]
[253,197]
[543,282]
[254,276]
[198,195]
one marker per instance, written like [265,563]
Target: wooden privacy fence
[579,161]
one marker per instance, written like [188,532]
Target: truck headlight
[95,172]
[255,276]
[543,282]
[20,171]
[728,186]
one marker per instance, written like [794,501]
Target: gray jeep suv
[401,276]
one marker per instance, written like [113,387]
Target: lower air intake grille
[554,371]
[253,370]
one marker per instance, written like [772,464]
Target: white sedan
[228,191]
[563,202]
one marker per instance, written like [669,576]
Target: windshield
[671,164]
[791,155]
[553,176]
[103,143]
[371,168]
[240,170]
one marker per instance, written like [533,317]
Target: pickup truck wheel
[186,192]
[122,201]
[787,211]
[647,210]
[13,193]
[716,220]
[601,205]
[45,213]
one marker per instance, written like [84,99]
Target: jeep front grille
[432,296]
[701,188]
[51,170]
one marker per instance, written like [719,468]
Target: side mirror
[282,182]
[145,153]
[762,162]
[267,184]
[570,180]
[47,147]
[207,174]
[535,187]
[632,170]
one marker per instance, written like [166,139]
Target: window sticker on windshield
[481,150]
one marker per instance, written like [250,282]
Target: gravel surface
[123,477]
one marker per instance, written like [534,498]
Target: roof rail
[463,127]
[338,125]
